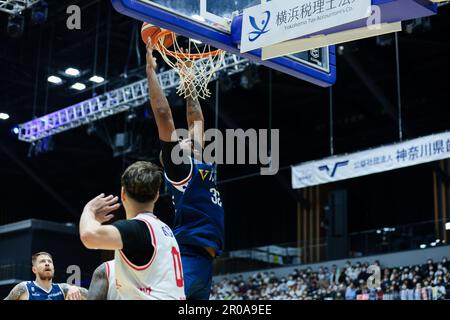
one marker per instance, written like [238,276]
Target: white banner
[396,156]
[277,21]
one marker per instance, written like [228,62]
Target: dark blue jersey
[35,292]
[199,214]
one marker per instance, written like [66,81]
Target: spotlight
[78,86]
[15,27]
[72,72]
[97,79]
[54,79]
[39,13]
[4,116]
[15,130]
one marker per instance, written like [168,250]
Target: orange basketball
[150,31]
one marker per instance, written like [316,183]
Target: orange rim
[164,33]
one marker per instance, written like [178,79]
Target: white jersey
[112,294]
[162,277]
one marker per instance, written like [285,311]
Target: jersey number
[177,266]
[215,198]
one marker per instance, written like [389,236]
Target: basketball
[150,31]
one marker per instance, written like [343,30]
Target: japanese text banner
[277,21]
[413,152]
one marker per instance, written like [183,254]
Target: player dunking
[199,215]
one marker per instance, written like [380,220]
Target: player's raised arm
[98,290]
[158,101]
[195,120]
[19,292]
[92,233]
[194,114]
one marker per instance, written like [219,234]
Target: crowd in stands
[430,281]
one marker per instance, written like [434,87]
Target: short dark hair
[36,255]
[142,181]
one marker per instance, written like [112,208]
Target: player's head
[42,265]
[140,184]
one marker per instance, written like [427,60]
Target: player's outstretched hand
[102,207]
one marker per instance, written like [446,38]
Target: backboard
[209,21]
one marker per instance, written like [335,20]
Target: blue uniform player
[43,287]
[36,292]
[198,226]
[199,215]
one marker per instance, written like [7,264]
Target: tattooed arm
[98,289]
[19,292]
[74,292]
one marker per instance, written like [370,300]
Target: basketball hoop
[195,65]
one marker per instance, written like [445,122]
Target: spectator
[388,294]
[425,268]
[291,282]
[350,293]
[334,274]
[445,263]
[404,292]
[308,284]
[342,275]
[272,278]
[266,277]
[363,275]
[394,274]
[418,292]
[441,291]
[321,274]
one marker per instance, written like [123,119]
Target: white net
[196,65]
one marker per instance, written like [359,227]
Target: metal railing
[15,7]
[110,103]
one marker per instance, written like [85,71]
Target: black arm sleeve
[174,172]
[137,241]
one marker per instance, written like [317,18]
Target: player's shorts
[197,272]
